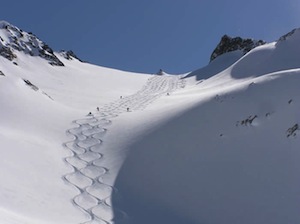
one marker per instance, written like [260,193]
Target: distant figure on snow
[160,72]
[90,114]
[127,109]
[97,108]
[121,97]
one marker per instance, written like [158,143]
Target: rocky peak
[13,39]
[228,44]
[69,55]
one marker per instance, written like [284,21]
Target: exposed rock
[1,73]
[292,130]
[7,53]
[34,87]
[69,55]
[228,44]
[247,121]
[47,53]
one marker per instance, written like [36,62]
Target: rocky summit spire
[228,44]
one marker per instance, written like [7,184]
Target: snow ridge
[95,195]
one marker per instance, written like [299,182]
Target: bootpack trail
[86,154]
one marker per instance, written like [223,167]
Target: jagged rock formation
[7,53]
[69,55]
[228,44]
[13,39]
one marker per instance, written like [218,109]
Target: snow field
[88,174]
[217,145]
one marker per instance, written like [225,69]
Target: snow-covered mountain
[12,38]
[87,144]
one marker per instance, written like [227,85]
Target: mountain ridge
[14,39]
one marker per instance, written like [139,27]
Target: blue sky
[146,35]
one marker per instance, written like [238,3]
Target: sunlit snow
[96,145]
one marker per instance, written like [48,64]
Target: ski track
[94,197]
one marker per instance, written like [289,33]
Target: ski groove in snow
[94,197]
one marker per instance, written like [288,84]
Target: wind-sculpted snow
[94,194]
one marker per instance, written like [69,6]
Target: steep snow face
[218,65]
[294,34]
[230,160]
[266,59]
[270,58]
[277,56]
[13,39]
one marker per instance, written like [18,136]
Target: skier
[97,108]
[127,109]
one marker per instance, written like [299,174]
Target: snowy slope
[213,165]
[218,146]
[233,157]
[33,124]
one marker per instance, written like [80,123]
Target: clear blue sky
[146,35]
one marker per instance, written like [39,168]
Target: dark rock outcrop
[228,44]
[34,87]
[69,55]
[7,53]
[47,53]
